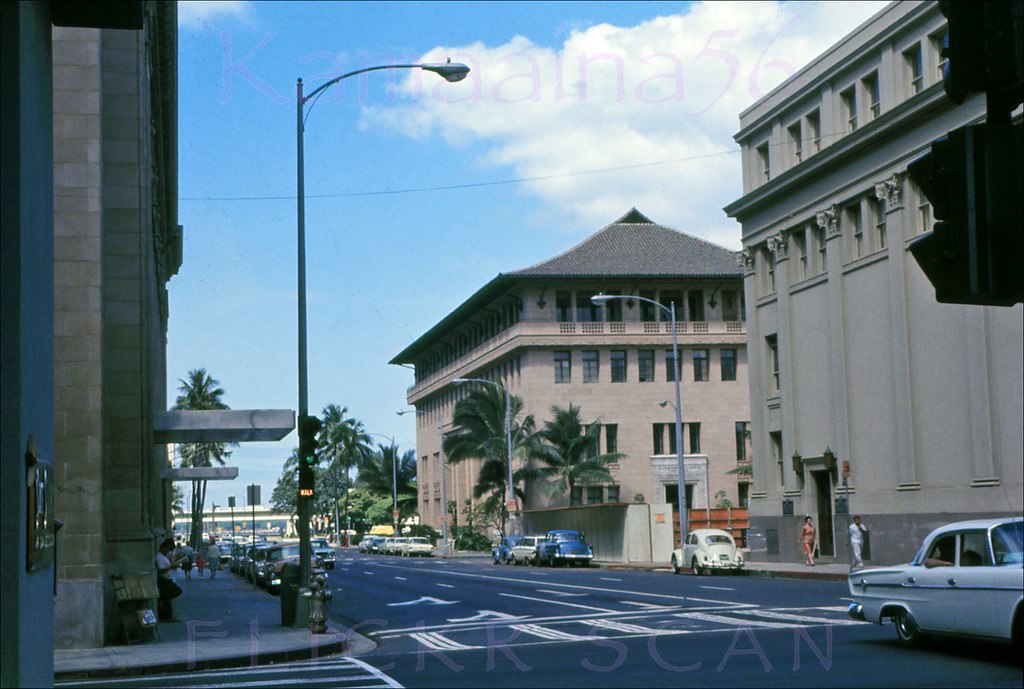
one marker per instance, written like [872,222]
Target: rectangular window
[662,431]
[671,298]
[819,240]
[764,163]
[848,101]
[645,365]
[873,94]
[727,358]
[617,361]
[590,366]
[670,367]
[796,143]
[563,306]
[586,310]
[648,311]
[856,230]
[881,240]
[775,438]
[769,262]
[694,431]
[595,494]
[938,47]
[613,493]
[563,367]
[800,244]
[914,66]
[611,438]
[658,434]
[743,498]
[730,305]
[773,362]
[694,305]
[924,213]
[814,130]
[742,440]
[700,365]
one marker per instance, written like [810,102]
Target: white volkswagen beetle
[707,551]
[967,580]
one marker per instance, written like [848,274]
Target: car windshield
[561,537]
[1008,543]
[417,540]
[281,553]
[717,539]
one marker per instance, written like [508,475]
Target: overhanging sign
[201,474]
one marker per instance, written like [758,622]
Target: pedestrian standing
[808,536]
[213,557]
[167,590]
[187,557]
[856,544]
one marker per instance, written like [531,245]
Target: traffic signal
[983,50]
[973,253]
[309,427]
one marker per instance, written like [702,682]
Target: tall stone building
[853,364]
[536,332]
[116,244]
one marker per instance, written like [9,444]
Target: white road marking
[401,578]
[438,642]
[718,588]
[546,633]
[649,606]
[486,615]
[556,602]
[424,599]
[733,621]
[562,593]
[790,617]
[627,628]
[609,579]
[446,586]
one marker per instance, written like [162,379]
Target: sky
[418,192]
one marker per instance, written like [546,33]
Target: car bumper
[735,566]
[856,612]
[575,557]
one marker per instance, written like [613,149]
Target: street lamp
[508,437]
[450,72]
[680,469]
[444,497]
[394,477]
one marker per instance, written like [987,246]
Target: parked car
[323,550]
[417,546]
[371,544]
[564,546]
[966,580]
[707,551]
[501,552]
[525,551]
[395,547]
[257,557]
[277,557]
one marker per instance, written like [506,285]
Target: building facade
[116,244]
[536,332]
[867,396]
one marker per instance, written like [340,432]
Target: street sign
[511,505]
[394,514]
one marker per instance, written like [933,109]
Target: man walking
[856,544]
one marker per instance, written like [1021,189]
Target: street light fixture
[511,498]
[450,71]
[444,497]
[677,369]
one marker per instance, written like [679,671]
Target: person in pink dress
[807,537]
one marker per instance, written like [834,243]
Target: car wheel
[676,569]
[697,569]
[907,630]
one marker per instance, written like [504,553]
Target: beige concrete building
[116,243]
[850,355]
[536,332]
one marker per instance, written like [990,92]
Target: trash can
[290,581]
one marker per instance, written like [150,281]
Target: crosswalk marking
[627,628]
[790,617]
[548,633]
[439,642]
[733,621]
[557,602]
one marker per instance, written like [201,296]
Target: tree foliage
[569,451]
[385,468]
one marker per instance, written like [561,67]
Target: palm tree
[378,469]
[569,449]
[200,392]
[479,420]
[345,442]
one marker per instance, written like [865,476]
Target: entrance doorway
[823,489]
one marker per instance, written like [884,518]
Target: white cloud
[196,15]
[669,89]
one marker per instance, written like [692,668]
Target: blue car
[501,553]
[565,546]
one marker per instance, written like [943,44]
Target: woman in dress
[807,536]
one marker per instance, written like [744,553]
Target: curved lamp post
[444,498]
[450,71]
[508,438]
[680,469]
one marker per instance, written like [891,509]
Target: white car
[966,580]
[707,551]
[417,545]
[525,552]
[393,546]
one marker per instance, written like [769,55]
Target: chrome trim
[856,611]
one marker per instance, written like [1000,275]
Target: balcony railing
[553,333]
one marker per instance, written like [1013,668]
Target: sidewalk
[225,622]
[794,570]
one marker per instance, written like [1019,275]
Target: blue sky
[419,191]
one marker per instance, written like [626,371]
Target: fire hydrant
[319,599]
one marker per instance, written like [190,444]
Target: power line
[467,185]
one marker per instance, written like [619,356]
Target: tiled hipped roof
[634,246]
